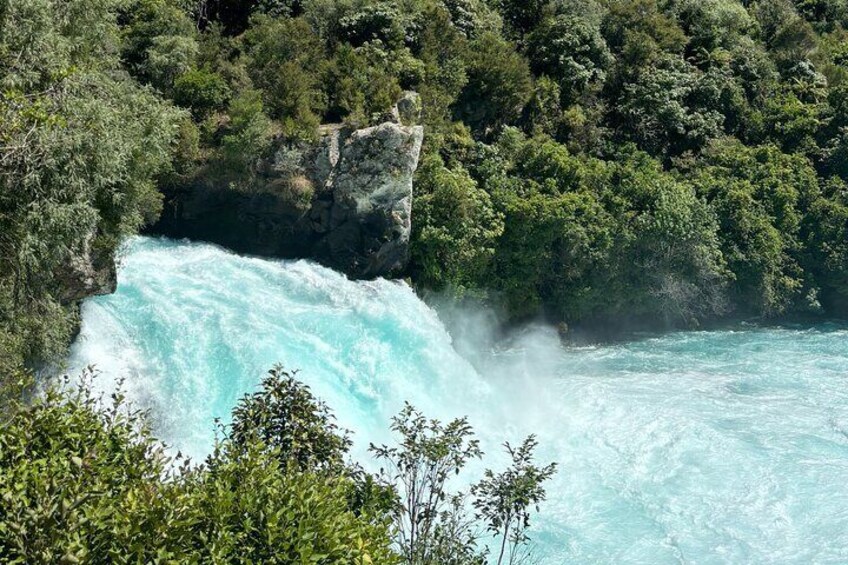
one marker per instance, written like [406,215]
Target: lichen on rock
[371,188]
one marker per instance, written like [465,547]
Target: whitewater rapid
[701,447]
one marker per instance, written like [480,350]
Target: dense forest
[663,162]
[667,161]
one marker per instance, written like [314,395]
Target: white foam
[709,447]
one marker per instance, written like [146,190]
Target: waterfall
[724,446]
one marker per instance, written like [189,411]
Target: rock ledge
[344,201]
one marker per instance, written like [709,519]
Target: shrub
[83,480]
[201,91]
[456,227]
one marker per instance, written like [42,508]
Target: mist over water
[700,447]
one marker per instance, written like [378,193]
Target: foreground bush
[83,480]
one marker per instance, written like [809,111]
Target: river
[694,447]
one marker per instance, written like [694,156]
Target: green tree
[504,500]
[456,227]
[499,85]
[712,24]
[522,16]
[825,236]
[640,27]
[670,264]
[378,21]
[553,247]
[473,17]
[544,112]
[426,517]
[663,110]
[81,146]
[85,482]
[201,91]
[284,416]
[760,196]
[443,51]
[360,84]
[247,138]
[571,51]
[158,41]
[284,58]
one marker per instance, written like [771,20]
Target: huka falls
[712,447]
[424,282]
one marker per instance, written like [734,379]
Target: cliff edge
[344,200]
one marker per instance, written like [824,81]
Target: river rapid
[692,447]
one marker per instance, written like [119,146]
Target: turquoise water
[701,447]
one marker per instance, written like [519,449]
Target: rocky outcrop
[365,219]
[408,109]
[87,272]
[344,201]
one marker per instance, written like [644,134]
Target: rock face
[370,206]
[344,201]
[408,109]
[87,273]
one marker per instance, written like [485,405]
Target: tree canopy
[662,161]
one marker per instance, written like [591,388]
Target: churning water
[702,447]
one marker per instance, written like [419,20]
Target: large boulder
[344,201]
[371,191]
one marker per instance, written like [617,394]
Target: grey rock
[372,206]
[344,200]
[87,272]
[408,108]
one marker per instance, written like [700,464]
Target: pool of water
[694,447]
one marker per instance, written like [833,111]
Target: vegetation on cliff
[667,161]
